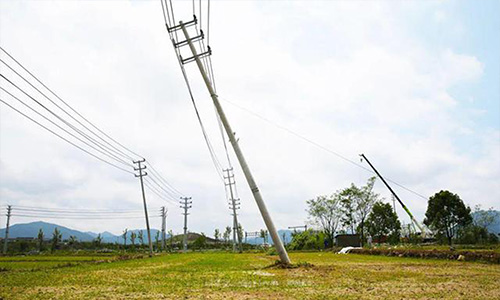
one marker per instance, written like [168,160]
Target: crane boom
[395,196]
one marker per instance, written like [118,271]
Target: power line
[80,218]
[157,192]
[215,160]
[91,139]
[318,145]
[104,153]
[70,107]
[163,179]
[76,209]
[162,188]
[64,139]
[106,148]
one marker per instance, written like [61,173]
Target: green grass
[218,275]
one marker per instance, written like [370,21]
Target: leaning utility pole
[163,226]
[239,154]
[233,206]
[185,205]
[9,209]
[142,174]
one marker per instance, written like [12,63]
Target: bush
[472,234]
[307,240]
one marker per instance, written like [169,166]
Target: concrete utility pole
[164,211]
[239,154]
[185,205]
[142,174]
[5,241]
[233,202]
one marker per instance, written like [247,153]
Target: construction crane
[423,232]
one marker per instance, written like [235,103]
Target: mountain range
[31,230]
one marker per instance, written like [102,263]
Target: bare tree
[124,235]
[325,211]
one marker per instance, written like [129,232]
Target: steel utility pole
[239,154]
[233,202]
[9,210]
[164,211]
[142,174]
[185,205]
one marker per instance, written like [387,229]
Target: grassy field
[245,276]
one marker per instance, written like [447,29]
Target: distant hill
[495,226]
[31,230]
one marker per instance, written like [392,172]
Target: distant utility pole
[233,205]
[232,138]
[9,210]
[164,211]
[185,205]
[142,174]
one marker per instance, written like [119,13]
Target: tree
[484,218]
[72,240]
[356,204]
[56,239]
[40,240]
[124,235]
[98,240]
[133,235]
[365,202]
[217,235]
[200,242]
[347,199]
[307,240]
[383,221]
[227,234]
[446,213]
[325,211]
[171,234]
[157,240]
[140,236]
[263,235]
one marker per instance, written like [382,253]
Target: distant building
[347,240]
